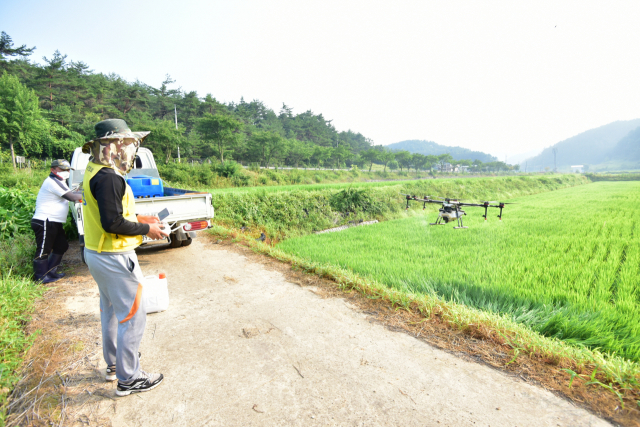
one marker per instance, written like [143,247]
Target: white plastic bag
[155,293]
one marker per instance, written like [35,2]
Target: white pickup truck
[190,211]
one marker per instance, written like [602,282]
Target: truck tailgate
[189,207]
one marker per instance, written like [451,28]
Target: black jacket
[108,188]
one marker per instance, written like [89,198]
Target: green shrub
[17,206]
[228,169]
[275,176]
[351,200]
[241,180]
[204,174]
[295,177]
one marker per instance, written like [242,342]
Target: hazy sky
[503,77]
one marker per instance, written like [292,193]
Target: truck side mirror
[138,162]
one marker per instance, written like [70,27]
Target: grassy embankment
[231,175]
[305,209]
[622,176]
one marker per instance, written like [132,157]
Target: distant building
[577,168]
[448,167]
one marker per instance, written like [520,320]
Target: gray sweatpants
[122,312]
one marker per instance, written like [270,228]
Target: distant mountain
[610,144]
[628,148]
[430,147]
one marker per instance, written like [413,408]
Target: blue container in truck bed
[146,186]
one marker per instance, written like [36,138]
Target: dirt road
[242,346]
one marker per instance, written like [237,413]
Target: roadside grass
[17,289]
[17,294]
[573,363]
[22,178]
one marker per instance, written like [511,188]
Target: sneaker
[111,373]
[111,370]
[144,382]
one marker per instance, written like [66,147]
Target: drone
[451,208]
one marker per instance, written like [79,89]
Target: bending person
[52,207]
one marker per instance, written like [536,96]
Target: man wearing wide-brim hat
[52,207]
[112,232]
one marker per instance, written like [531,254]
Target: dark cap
[62,164]
[111,126]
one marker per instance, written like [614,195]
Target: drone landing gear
[438,221]
[460,225]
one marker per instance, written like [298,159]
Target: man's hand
[156,231]
[148,219]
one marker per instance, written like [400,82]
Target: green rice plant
[565,264]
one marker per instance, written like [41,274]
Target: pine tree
[6,47]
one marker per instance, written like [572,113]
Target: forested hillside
[50,108]
[614,145]
[72,98]
[628,148]
[431,148]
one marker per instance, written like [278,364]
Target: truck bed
[185,205]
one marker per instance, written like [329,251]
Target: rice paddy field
[564,263]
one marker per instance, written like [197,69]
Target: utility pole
[175,112]
[555,165]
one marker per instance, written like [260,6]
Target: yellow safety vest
[95,238]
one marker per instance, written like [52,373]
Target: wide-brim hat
[115,129]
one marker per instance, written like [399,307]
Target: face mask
[64,174]
[116,153]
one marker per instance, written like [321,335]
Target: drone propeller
[500,205]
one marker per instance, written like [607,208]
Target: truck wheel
[187,242]
[175,243]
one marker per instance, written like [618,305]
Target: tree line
[49,109]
